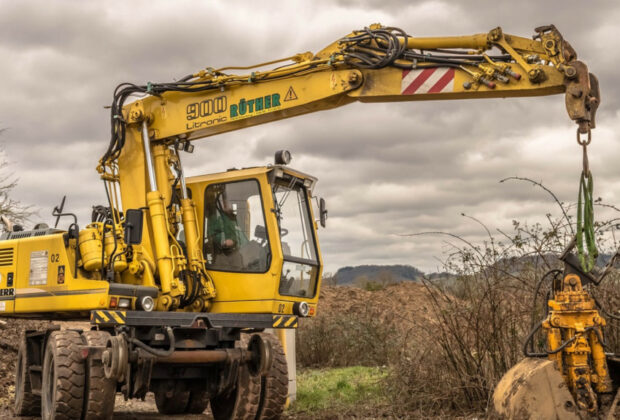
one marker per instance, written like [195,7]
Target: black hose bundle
[374,48]
[125,90]
[379,48]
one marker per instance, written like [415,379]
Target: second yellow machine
[180,277]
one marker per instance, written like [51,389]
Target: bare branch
[539,184]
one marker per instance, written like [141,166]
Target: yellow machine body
[43,277]
[142,167]
[158,238]
[38,276]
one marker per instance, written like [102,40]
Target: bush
[485,312]
[341,340]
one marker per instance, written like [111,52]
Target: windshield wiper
[289,188]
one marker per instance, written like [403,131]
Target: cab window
[301,265]
[235,232]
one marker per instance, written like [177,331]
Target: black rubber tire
[241,403]
[274,385]
[99,392]
[176,403]
[62,390]
[26,403]
[198,401]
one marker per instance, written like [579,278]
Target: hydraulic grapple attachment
[574,376]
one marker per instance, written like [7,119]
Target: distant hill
[387,274]
[377,273]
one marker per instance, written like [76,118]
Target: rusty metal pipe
[195,356]
[478,41]
[205,356]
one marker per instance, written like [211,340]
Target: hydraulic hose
[153,351]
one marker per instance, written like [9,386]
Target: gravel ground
[10,333]
[126,410]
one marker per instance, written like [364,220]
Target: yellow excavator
[180,277]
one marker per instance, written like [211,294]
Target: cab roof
[247,172]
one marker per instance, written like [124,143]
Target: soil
[11,331]
[407,303]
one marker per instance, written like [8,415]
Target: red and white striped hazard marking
[433,80]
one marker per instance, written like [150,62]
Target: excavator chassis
[187,360]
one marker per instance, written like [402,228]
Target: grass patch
[340,388]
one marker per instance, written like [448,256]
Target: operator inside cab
[232,241]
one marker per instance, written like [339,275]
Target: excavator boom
[377,64]
[374,65]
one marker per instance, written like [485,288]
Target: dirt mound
[407,302]
[357,327]
[11,331]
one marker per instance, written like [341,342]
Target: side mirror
[133,226]
[322,212]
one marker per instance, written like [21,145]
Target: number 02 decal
[55,258]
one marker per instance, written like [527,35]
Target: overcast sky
[384,169]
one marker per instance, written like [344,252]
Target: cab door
[239,243]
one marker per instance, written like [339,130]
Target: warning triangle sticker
[290,95]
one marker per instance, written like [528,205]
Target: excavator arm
[373,65]
[376,64]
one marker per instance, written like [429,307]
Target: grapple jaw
[533,389]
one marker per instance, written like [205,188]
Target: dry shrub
[344,339]
[483,310]
[608,296]
[486,310]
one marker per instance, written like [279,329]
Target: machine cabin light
[146,303]
[283,157]
[301,309]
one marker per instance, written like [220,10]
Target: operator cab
[259,222]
